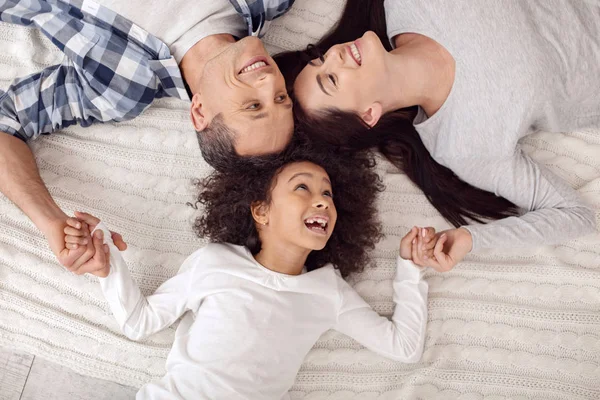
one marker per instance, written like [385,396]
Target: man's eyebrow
[321,85]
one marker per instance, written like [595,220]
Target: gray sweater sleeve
[554,211]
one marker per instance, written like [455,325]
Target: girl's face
[349,77]
[301,212]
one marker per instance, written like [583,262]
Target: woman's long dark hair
[394,134]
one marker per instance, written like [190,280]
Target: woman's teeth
[254,66]
[356,53]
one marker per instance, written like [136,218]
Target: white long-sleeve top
[246,329]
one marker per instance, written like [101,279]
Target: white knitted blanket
[517,324]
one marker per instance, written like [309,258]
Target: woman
[463,83]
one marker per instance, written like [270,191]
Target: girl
[284,236]
[447,90]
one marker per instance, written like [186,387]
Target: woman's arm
[403,337]
[555,212]
[140,316]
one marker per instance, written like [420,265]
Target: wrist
[47,219]
[465,238]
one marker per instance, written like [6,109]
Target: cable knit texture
[517,324]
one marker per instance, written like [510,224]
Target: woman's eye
[253,106]
[327,193]
[281,98]
[331,79]
[302,186]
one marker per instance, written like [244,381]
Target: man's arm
[21,183]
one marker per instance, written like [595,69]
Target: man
[113,70]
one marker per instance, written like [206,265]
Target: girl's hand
[451,247]
[95,259]
[77,232]
[418,245]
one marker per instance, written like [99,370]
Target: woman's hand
[441,251]
[418,244]
[451,248]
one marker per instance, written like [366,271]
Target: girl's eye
[321,58]
[281,98]
[253,106]
[302,186]
[331,79]
[327,193]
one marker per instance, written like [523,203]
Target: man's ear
[372,114]
[199,120]
[260,212]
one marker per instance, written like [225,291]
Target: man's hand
[78,231]
[68,256]
[94,259]
[71,243]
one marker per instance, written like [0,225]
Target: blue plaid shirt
[112,70]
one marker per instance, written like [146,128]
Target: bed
[504,324]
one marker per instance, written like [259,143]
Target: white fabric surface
[245,329]
[521,324]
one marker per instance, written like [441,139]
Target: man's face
[244,84]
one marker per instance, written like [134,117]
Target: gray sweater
[520,66]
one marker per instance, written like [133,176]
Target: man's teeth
[355,53]
[254,66]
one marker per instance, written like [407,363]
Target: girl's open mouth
[317,224]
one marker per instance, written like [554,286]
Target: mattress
[504,324]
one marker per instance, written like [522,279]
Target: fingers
[103,273]
[90,251]
[99,260]
[118,241]
[415,255]
[76,240]
[410,235]
[427,242]
[406,243]
[87,218]
[444,261]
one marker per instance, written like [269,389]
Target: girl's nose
[321,204]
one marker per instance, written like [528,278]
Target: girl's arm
[403,337]
[555,212]
[140,316]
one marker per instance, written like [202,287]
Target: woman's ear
[372,114]
[260,212]
[199,120]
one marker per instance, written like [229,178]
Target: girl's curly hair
[227,197]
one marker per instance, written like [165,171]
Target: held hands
[441,251]
[92,254]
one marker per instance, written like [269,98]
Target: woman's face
[349,77]
[301,212]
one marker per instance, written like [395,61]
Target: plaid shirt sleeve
[112,70]
[259,13]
